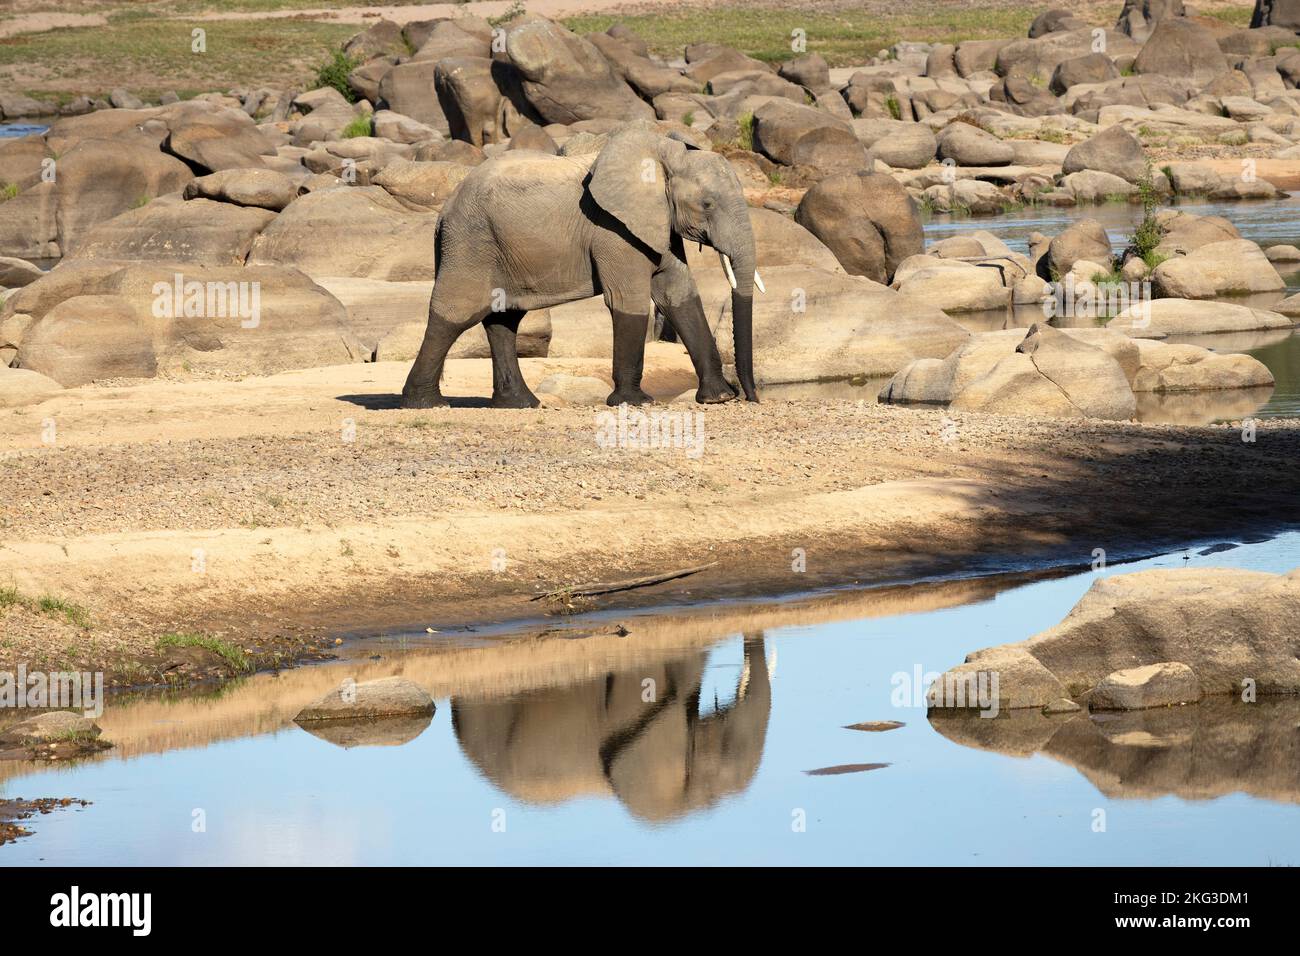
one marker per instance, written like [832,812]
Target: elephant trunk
[737,250]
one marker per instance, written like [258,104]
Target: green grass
[746,124]
[9,597]
[358,127]
[231,654]
[891,103]
[74,614]
[1237,16]
[843,36]
[147,54]
[8,191]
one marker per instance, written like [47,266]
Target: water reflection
[1198,752]
[642,735]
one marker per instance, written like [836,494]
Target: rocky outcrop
[1230,267]
[370,700]
[866,219]
[1231,629]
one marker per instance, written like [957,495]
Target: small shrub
[891,103]
[746,124]
[361,126]
[228,652]
[74,614]
[8,191]
[335,74]
[688,119]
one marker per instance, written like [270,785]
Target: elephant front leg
[508,387]
[629,359]
[676,297]
[687,319]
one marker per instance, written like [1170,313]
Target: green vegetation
[891,103]
[843,35]
[146,52]
[231,654]
[361,126]
[73,613]
[688,119]
[515,9]
[1237,16]
[746,124]
[1148,233]
[335,74]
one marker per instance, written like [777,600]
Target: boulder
[97,179]
[49,727]
[1085,239]
[16,273]
[953,286]
[172,229]
[970,196]
[646,76]
[89,338]
[1052,374]
[93,321]
[1018,95]
[1114,150]
[796,135]
[422,187]
[262,188]
[369,700]
[470,92]
[1229,267]
[453,38]
[1189,317]
[809,70]
[1089,68]
[20,386]
[1182,48]
[566,79]
[866,219]
[896,143]
[812,325]
[575,389]
[1095,186]
[1226,625]
[1190,368]
[358,231]
[1182,233]
[211,140]
[1039,57]
[408,89]
[968,145]
[382,37]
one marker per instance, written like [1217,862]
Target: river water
[543,750]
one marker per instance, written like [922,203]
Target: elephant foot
[715,393]
[523,399]
[628,396]
[424,400]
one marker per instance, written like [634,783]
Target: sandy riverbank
[275,512]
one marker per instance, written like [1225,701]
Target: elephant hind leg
[508,387]
[423,383]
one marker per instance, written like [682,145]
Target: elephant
[527,230]
[659,755]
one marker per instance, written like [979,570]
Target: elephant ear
[629,180]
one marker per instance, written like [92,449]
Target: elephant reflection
[647,743]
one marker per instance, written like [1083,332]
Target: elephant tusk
[726,264]
[758,281]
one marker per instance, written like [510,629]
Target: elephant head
[659,188]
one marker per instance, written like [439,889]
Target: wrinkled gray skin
[650,745]
[529,231]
